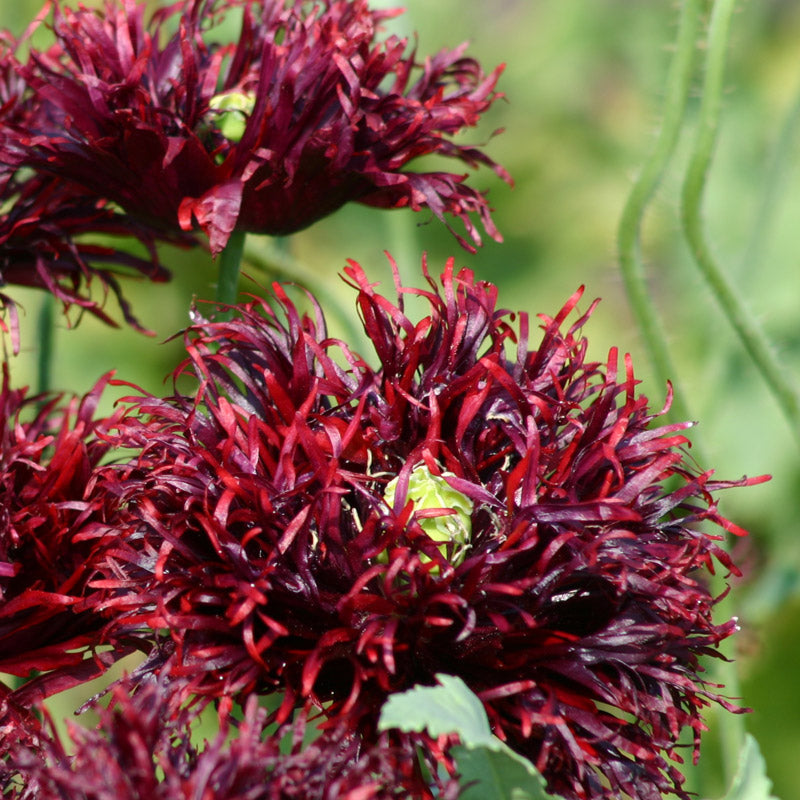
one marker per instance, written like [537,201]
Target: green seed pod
[427,491]
[234,110]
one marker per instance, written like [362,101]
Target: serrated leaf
[489,773]
[489,769]
[751,781]
[448,708]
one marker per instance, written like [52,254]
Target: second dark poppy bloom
[57,238]
[49,450]
[307,111]
[54,235]
[146,746]
[475,504]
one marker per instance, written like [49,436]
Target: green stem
[679,81]
[750,334]
[732,731]
[230,261]
[45,333]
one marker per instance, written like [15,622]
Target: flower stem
[230,261]
[679,82]
[732,731]
[750,333]
[45,334]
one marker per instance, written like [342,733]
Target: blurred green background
[584,83]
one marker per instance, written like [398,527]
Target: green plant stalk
[732,732]
[750,333]
[45,333]
[679,81]
[230,261]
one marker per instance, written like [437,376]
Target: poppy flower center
[444,513]
[232,110]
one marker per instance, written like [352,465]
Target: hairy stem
[732,731]
[679,81]
[747,328]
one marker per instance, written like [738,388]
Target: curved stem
[230,261]
[679,82]
[732,732]
[750,333]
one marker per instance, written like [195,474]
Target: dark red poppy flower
[476,504]
[144,748]
[48,452]
[49,240]
[53,235]
[306,112]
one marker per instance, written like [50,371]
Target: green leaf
[751,781]
[489,769]
[448,708]
[498,773]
